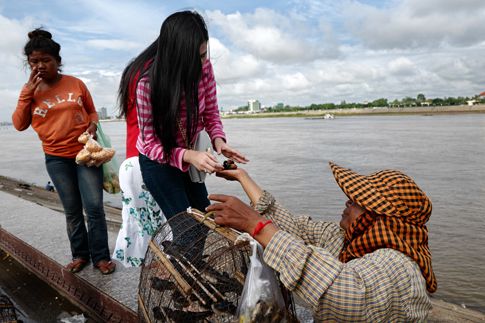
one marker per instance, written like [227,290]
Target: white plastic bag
[261,298]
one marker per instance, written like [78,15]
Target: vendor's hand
[232,212]
[203,161]
[232,174]
[92,129]
[222,147]
[34,80]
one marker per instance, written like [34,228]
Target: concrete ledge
[36,237]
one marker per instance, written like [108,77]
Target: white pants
[142,216]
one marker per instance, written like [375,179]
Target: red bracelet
[260,226]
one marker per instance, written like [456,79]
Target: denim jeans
[175,192]
[81,186]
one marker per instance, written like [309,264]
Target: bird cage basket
[194,272]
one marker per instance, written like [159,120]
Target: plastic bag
[261,298]
[93,154]
[111,182]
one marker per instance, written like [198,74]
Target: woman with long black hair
[175,96]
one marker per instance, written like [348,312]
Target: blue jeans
[81,186]
[175,192]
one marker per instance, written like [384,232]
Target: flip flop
[105,267]
[76,265]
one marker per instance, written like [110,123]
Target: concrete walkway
[45,230]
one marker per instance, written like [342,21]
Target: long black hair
[174,68]
[132,72]
[176,72]
[41,40]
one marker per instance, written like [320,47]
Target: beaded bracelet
[260,226]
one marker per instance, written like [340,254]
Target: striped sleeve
[303,269]
[382,286]
[326,235]
[148,143]
[211,117]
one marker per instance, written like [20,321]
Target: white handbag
[202,143]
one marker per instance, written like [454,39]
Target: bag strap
[183,131]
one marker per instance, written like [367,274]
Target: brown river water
[445,154]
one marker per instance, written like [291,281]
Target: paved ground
[45,230]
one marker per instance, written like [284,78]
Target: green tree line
[419,100]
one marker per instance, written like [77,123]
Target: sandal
[76,265]
[105,267]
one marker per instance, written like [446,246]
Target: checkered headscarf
[397,212]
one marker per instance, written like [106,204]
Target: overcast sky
[296,52]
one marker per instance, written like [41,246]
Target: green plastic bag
[111,182]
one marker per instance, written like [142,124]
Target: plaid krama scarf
[397,212]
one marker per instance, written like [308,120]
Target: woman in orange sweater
[60,108]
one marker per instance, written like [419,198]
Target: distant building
[103,113]
[280,105]
[254,106]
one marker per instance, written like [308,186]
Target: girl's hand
[222,147]
[34,80]
[203,161]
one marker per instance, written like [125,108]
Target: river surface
[445,154]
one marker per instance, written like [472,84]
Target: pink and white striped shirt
[148,143]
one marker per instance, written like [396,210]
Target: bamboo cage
[193,272]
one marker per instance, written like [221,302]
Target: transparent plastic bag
[111,182]
[261,298]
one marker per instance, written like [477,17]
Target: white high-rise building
[254,106]
[102,113]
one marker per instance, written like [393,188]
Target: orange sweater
[58,115]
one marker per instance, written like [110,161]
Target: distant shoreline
[479,108]
[363,111]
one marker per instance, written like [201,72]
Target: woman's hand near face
[34,80]
[222,147]
[203,161]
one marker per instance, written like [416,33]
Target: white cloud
[14,39]
[402,66]
[268,35]
[232,66]
[418,24]
[297,52]
[14,72]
